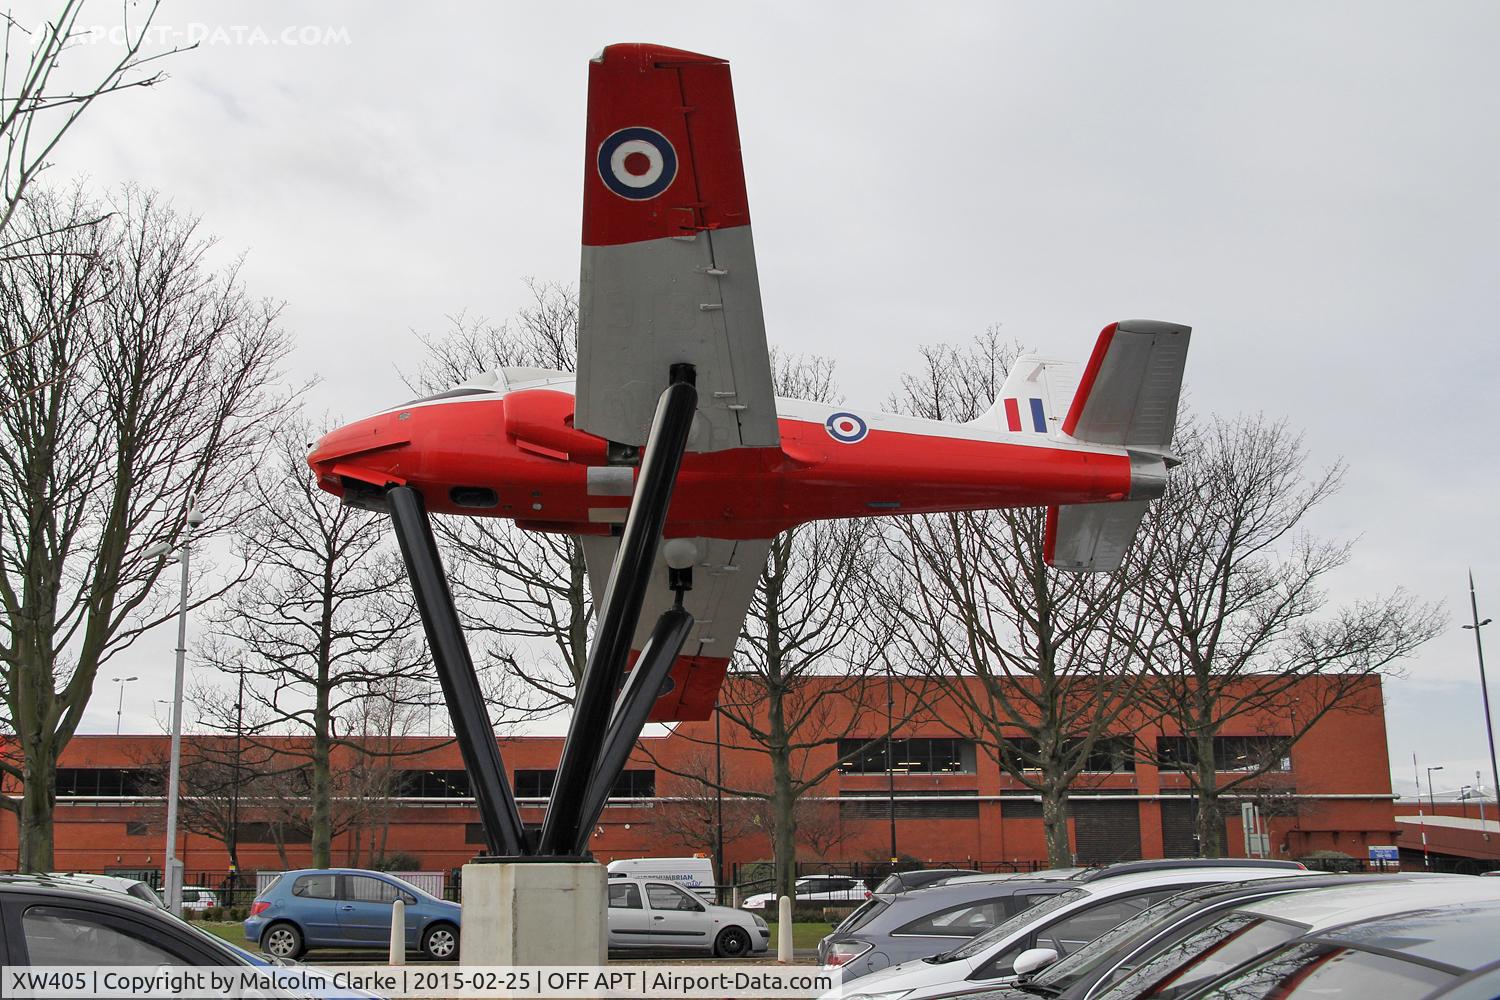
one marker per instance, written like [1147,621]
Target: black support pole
[640,692]
[628,580]
[471,720]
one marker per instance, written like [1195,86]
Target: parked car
[815,889]
[1253,929]
[197,899]
[64,921]
[920,878]
[695,874]
[1133,867]
[1061,924]
[1406,956]
[348,908]
[116,883]
[1092,969]
[649,913]
[893,928]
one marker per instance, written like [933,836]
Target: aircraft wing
[668,263]
[724,579]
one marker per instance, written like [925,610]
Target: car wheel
[440,943]
[733,942]
[282,940]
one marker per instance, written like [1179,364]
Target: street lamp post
[1484,687]
[173,873]
[1430,802]
[120,702]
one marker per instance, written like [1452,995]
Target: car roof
[1169,864]
[96,879]
[62,886]
[1460,935]
[964,891]
[1136,881]
[1319,909]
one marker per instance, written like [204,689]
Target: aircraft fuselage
[517,455]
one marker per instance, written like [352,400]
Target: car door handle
[658,918]
[346,909]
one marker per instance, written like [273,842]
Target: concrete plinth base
[534,913]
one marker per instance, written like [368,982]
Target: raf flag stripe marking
[1038,415]
[1012,415]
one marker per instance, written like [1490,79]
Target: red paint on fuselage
[742,493]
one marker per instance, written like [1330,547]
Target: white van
[695,874]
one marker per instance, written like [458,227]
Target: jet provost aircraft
[672,358]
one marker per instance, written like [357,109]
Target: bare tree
[39,103]
[135,384]
[696,814]
[800,675]
[523,595]
[1028,655]
[317,625]
[1241,626]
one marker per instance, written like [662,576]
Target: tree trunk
[783,799]
[37,799]
[1210,821]
[784,825]
[322,796]
[1055,826]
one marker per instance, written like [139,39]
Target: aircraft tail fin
[1035,396]
[1127,397]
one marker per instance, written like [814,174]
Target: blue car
[348,908]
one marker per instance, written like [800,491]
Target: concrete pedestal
[534,913]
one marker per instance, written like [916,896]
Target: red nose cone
[368,451]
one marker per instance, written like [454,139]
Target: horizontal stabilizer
[1129,391]
[1093,537]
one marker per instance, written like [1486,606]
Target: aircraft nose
[368,452]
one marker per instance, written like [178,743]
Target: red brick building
[952,800]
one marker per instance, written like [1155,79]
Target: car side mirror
[1033,959]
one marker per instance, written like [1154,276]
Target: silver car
[891,928]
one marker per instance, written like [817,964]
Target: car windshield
[1313,970]
[1077,965]
[405,885]
[1220,946]
[1001,931]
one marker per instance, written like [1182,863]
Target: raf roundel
[846,428]
[637,163]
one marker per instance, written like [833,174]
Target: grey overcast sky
[1311,186]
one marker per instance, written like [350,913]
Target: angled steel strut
[503,830]
[591,737]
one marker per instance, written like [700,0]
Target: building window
[136,828]
[1109,755]
[105,782]
[449,784]
[1231,753]
[638,783]
[924,755]
[909,805]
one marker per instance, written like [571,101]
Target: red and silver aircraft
[669,277]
